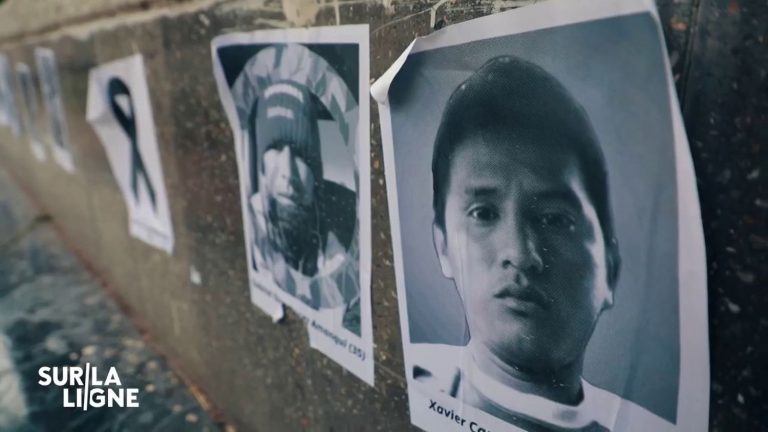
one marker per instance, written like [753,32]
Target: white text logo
[84,387]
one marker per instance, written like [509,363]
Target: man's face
[287,178]
[524,246]
[288,185]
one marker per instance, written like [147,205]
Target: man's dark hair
[509,96]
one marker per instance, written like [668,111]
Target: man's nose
[520,248]
[287,164]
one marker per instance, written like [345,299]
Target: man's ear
[613,261]
[441,247]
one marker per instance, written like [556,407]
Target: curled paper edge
[380,89]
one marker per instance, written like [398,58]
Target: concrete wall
[264,376]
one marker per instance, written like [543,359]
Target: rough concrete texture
[264,376]
[54,313]
[21,18]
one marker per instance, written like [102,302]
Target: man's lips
[521,298]
[287,199]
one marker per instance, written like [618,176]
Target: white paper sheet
[48,75]
[304,164]
[120,112]
[9,115]
[496,298]
[29,95]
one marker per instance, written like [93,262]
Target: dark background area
[722,86]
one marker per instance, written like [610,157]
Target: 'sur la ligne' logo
[84,387]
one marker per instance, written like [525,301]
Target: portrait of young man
[523,227]
[532,182]
[296,100]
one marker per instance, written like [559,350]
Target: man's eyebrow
[566,196]
[481,191]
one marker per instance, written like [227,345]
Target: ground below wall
[54,313]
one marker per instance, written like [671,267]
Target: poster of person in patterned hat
[293,98]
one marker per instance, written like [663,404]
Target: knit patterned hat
[286,115]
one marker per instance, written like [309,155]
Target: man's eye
[484,214]
[277,145]
[560,221]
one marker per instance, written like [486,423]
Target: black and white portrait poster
[548,244]
[48,75]
[120,112]
[9,115]
[29,96]
[297,102]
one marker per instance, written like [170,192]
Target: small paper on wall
[548,246]
[9,115]
[297,103]
[48,75]
[29,96]
[4,90]
[120,112]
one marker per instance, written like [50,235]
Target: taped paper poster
[9,114]
[48,75]
[120,112]
[297,102]
[548,244]
[29,96]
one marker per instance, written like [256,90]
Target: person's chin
[521,333]
[514,315]
[525,349]
[289,210]
[517,324]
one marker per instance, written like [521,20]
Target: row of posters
[49,83]
[548,246]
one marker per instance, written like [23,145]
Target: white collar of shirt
[597,406]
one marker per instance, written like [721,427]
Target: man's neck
[305,259]
[297,242]
[562,386]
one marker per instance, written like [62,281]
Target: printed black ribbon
[115,88]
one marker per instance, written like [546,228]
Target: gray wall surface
[263,376]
